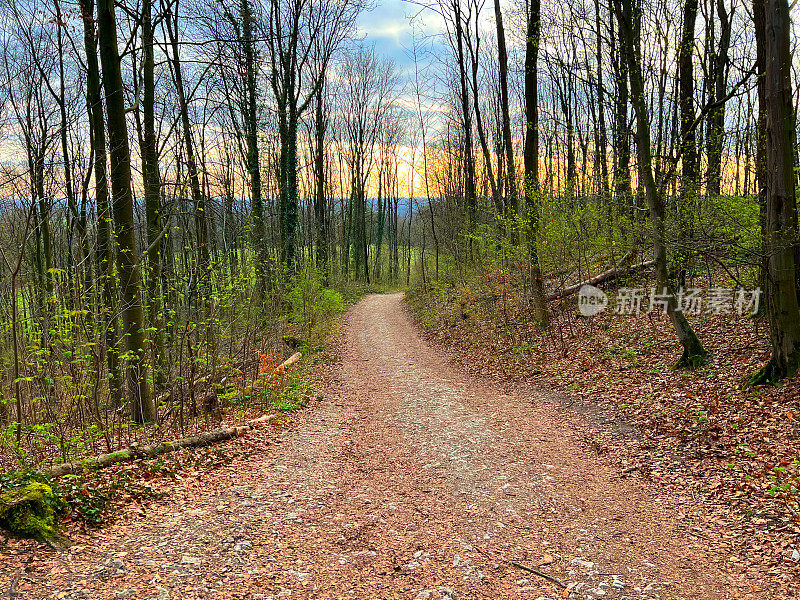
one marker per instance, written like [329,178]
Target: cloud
[392,26]
[395,30]
[395,22]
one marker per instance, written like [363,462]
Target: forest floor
[407,478]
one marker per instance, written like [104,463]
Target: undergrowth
[747,440]
[236,389]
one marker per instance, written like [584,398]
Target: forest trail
[408,479]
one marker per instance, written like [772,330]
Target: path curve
[408,479]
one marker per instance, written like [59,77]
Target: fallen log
[603,277]
[135,451]
[281,368]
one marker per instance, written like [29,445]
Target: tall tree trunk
[288,191]
[693,352]
[772,21]
[151,180]
[487,155]
[531,160]
[381,217]
[105,255]
[200,218]
[45,218]
[715,140]
[690,168]
[320,208]
[502,54]
[72,204]
[143,408]
[622,138]
[468,155]
[251,135]
[602,157]
[566,109]
[759,14]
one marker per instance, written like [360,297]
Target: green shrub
[311,303]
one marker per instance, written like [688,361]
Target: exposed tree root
[771,373]
[691,360]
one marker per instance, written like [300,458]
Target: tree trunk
[531,159]
[105,255]
[772,22]
[142,407]
[602,136]
[468,155]
[251,135]
[693,352]
[320,208]
[690,168]
[72,204]
[201,222]
[622,147]
[288,189]
[151,180]
[715,140]
[513,195]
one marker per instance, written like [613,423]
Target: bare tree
[296,30]
[531,157]
[142,406]
[693,352]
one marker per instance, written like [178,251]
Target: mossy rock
[30,510]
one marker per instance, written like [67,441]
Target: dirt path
[407,480]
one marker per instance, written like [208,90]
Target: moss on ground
[30,510]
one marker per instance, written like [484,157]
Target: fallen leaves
[699,432]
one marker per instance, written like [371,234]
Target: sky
[391,26]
